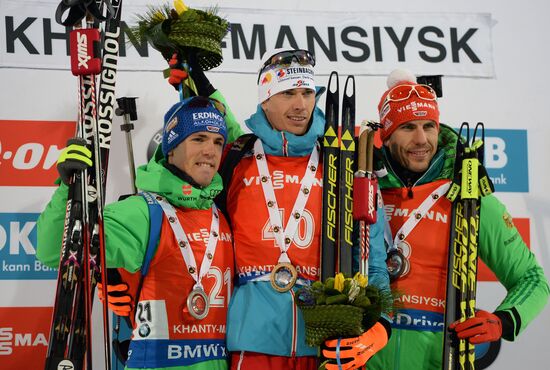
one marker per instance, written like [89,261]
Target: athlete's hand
[119,301]
[75,157]
[177,74]
[352,353]
[484,327]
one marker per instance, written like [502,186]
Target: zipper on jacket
[294,325]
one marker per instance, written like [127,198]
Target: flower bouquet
[340,307]
[185,31]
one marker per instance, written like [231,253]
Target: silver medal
[197,303]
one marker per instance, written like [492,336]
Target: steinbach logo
[18,248]
[29,151]
[24,336]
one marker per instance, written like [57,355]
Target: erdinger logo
[206,115]
[213,129]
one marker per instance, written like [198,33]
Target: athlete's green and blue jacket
[418,344]
[126,225]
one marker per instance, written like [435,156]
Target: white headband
[277,78]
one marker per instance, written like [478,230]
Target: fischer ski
[338,162]
[347,161]
[469,184]
[83,249]
[330,179]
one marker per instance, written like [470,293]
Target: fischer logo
[279,179]
[83,57]
[331,198]
[9,339]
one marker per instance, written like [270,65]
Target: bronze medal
[283,277]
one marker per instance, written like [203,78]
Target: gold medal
[283,277]
[197,303]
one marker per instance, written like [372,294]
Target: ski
[330,179]
[338,162]
[465,192]
[83,248]
[346,175]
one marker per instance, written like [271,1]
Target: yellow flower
[339,281]
[180,6]
[362,280]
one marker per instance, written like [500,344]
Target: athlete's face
[290,110]
[413,144]
[199,156]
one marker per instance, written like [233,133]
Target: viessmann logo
[24,337]
[29,151]
[9,339]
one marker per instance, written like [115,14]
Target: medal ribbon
[183,241]
[284,238]
[415,217]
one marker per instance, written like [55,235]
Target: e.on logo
[29,151]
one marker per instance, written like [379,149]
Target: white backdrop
[511,95]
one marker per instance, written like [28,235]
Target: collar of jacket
[441,165]
[283,143]
[156,178]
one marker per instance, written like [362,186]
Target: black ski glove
[75,157]
[204,87]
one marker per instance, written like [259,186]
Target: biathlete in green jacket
[188,286]
[417,161]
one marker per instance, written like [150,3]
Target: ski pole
[127,109]
[365,187]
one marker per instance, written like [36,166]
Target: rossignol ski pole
[365,189]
